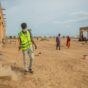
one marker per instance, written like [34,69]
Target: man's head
[59,34]
[24,27]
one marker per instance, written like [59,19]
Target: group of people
[58,42]
[26,44]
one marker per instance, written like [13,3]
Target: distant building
[2,25]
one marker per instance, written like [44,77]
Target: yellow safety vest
[25,40]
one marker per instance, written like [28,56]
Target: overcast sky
[46,17]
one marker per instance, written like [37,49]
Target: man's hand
[19,47]
[35,47]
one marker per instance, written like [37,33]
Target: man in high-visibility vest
[26,43]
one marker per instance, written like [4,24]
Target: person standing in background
[68,42]
[58,42]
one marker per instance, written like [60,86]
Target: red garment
[68,41]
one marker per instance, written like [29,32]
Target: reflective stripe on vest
[25,40]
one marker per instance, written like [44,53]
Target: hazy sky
[46,17]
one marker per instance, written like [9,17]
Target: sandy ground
[52,68]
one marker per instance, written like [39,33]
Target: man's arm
[33,43]
[19,43]
[32,40]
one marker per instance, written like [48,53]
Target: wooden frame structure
[81,37]
[2,25]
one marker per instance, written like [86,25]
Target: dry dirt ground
[52,68]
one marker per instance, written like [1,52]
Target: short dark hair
[23,25]
[59,34]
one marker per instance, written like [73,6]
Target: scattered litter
[38,54]
[85,57]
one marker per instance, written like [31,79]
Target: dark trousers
[57,46]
